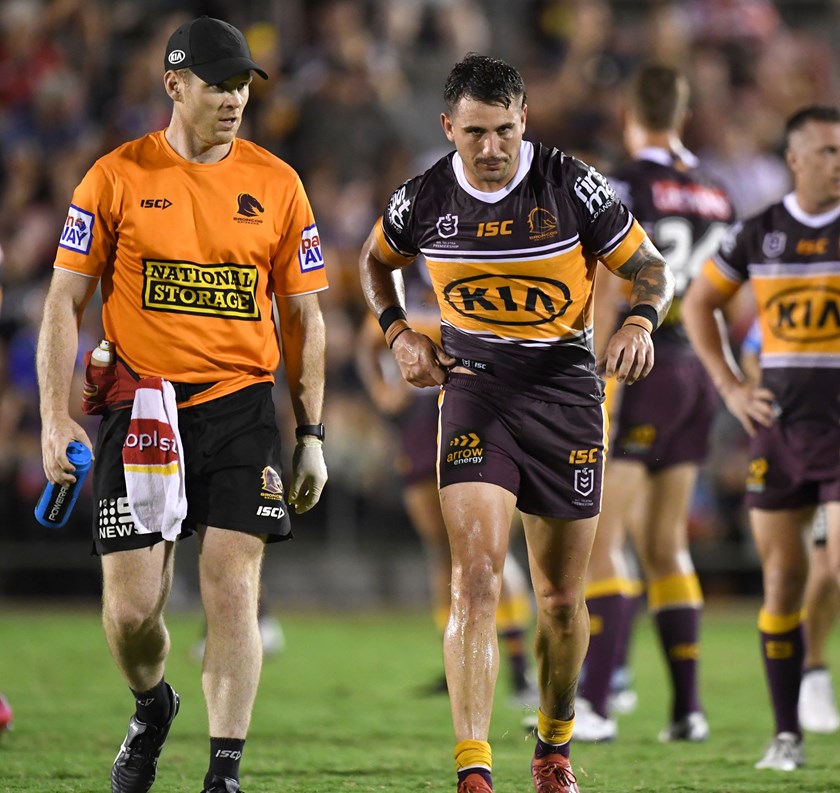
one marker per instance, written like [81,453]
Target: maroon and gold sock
[513,616]
[554,736]
[676,602]
[632,606]
[783,650]
[473,757]
[606,601]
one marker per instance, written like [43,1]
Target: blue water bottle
[57,501]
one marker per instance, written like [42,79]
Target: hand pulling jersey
[190,255]
[513,270]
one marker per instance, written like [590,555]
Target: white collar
[526,156]
[806,219]
[666,157]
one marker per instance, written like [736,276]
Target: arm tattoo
[653,282]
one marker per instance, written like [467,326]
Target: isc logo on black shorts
[465,448]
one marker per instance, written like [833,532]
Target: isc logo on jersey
[310,256]
[77,233]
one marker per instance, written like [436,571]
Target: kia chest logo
[176,56]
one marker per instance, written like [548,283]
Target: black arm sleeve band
[389,316]
[647,311]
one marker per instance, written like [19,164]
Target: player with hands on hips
[788,254]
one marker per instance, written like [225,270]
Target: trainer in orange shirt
[195,237]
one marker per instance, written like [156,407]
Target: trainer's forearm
[303,338]
[58,346]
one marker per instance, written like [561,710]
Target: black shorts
[665,419]
[231,456]
[550,456]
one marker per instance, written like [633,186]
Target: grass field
[338,712]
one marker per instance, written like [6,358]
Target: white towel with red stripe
[154,468]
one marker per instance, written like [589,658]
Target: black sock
[154,705]
[225,754]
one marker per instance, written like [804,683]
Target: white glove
[309,473]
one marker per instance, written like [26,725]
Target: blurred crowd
[353,103]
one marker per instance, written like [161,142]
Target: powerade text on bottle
[57,501]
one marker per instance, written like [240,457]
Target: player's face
[214,112]
[814,158]
[487,138]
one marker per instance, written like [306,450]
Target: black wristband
[316,430]
[389,316]
[647,311]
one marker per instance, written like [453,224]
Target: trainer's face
[813,156]
[214,112]
[487,137]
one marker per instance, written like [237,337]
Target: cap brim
[219,71]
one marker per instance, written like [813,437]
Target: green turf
[338,712]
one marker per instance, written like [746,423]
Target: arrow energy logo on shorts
[465,449]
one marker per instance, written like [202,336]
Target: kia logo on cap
[176,56]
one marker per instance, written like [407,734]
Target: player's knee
[131,617]
[477,582]
[561,608]
[784,588]
[222,593]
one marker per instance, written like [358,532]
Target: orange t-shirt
[190,256]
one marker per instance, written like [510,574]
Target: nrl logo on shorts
[774,244]
[447,226]
[584,481]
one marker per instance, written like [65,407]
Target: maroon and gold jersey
[513,270]
[792,260]
[685,214]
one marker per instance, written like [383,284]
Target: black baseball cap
[212,49]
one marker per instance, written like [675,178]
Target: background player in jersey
[663,422]
[789,255]
[195,235]
[414,414]
[512,232]
[817,700]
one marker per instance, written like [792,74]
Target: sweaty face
[487,137]
[814,158]
[214,112]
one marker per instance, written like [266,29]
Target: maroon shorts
[793,466]
[417,426]
[550,456]
[665,419]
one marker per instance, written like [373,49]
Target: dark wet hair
[658,96]
[484,79]
[828,114]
